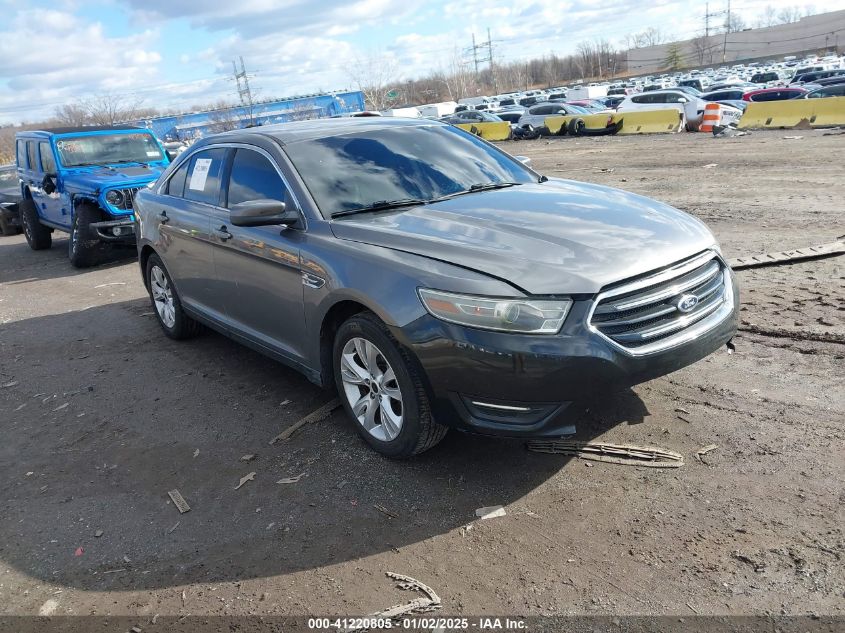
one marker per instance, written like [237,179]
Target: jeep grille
[656,312]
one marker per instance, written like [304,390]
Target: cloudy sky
[177,53]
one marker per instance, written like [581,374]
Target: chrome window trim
[685,335]
[254,148]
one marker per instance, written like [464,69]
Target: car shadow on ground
[108,415]
[51,263]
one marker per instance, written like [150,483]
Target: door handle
[162,217]
[223,233]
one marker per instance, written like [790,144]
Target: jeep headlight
[115,198]
[526,316]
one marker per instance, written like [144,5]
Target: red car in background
[773,94]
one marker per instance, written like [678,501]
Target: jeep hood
[97,178]
[557,237]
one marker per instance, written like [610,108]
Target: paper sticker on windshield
[152,154]
[200,174]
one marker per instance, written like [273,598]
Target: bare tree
[769,17]
[703,49]
[375,76]
[789,14]
[108,108]
[303,110]
[652,36]
[223,118]
[460,77]
[734,22]
[72,114]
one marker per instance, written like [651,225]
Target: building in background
[812,34]
[192,125]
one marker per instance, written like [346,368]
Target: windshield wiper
[482,186]
[381,205]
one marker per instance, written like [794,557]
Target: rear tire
[37,235]
[375,373]
[166,303]
[84,250]
[6,228]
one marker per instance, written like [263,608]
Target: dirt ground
[101,415]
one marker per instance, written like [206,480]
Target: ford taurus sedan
[429,277]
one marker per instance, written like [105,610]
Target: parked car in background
[764,78]
[724,95]
[612,101]
[82,181]
[835,90]
[536,115]
[471,116]
[10,197]
[773,94]
[502,295]
[691,107]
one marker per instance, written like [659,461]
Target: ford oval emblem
[687,303]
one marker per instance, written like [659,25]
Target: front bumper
[105,231]
[515,385]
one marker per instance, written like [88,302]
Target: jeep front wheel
[37,235]
[84,248]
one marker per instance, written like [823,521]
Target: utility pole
[490,58]
[727,29]
[707,20]
[244,91]
[487,58]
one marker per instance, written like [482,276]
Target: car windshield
[107,149]
[422,163]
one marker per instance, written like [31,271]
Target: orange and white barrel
[712,116]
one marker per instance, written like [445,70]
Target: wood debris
[244,479]
[179,501]
[700,453]
[320,414]
[431,601]
[649,456]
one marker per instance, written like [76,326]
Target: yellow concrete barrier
[649,121]
[789,113]
[489,131]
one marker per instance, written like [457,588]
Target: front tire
[166,303]
[83,250]
[382,390]
[37,235]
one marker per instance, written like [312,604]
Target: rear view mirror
[261,213]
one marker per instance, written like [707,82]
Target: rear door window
[21,154]
[31,155]
[176,184]
[202,183]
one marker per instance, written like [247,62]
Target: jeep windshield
[396,166]
[108,149]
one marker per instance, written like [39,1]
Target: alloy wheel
[371,388]
[162,296]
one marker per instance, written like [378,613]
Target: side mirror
[262,213]
[682,100]
[525,160]
[48,184]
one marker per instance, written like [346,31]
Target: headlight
[527,316]
[114,197]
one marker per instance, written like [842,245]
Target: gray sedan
[427,276]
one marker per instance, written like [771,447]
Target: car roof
[295,131]
[82,128]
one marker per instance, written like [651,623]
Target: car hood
[557,237]
[96,178]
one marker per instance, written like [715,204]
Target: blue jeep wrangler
[82,181]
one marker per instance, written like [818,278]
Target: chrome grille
[655,312]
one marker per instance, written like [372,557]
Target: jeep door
[258,268]
[183,211]
[55,205]
[30,173]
